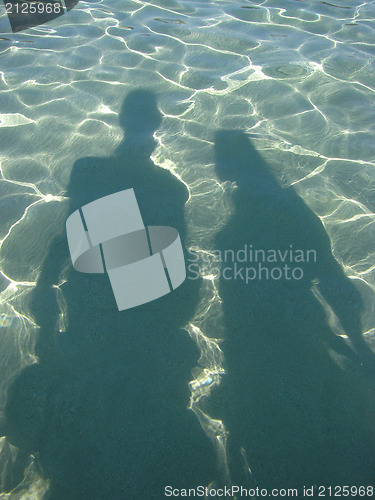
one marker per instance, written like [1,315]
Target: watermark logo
[250,264]
[24,14]
[143,263]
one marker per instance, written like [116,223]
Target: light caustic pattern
[299,77]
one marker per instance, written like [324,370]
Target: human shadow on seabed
[105,407]
[297,400]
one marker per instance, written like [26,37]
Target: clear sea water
[239,123]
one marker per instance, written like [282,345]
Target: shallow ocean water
[268,372]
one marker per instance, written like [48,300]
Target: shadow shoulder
[87,165]
[86,172]
[176,185]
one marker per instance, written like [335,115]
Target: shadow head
[139,115]
[235,156]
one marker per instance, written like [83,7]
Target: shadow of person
[296,398]
[105,408]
